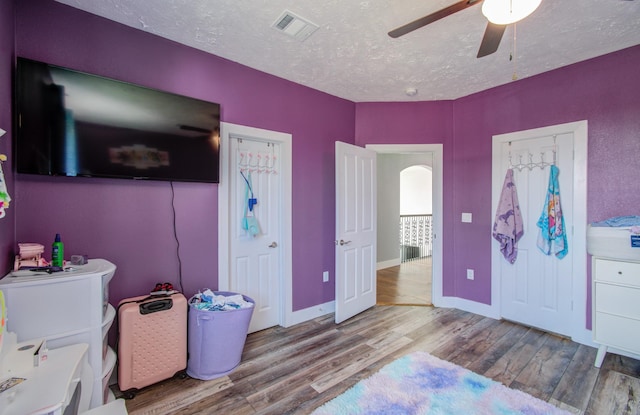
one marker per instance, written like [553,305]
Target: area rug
[423,384]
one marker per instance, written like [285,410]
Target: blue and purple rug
[423,384]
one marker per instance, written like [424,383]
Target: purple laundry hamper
[215,339]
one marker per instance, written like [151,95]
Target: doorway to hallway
[405,257]
[410,282]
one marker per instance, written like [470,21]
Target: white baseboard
[470,306]
[388,264]
[310,313]
[320,310]
[581,336]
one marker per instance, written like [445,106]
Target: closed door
[537,289]
[355,230]
[255,224]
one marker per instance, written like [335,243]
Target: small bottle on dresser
[57,252]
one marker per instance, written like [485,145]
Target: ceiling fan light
[505,12]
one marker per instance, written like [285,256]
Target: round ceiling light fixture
[504,12]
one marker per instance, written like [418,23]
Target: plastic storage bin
[612,242]
[215,339]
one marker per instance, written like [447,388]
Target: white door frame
[438,299]
[578,330]
[224,206]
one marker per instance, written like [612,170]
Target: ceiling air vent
[294,25]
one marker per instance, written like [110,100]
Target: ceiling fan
[492,34]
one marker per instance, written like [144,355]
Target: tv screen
[70,123]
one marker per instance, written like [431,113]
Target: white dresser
[616,305]
[66,308]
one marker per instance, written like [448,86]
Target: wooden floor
[294,370]
[406,284]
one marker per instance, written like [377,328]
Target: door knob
[273,245]
[342,242]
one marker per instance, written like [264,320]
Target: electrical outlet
[325,276]
[469,274]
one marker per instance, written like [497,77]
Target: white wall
[388,178]
[415,191]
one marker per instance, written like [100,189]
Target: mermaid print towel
[552,238]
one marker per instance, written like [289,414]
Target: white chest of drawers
[616,305]
[66,308]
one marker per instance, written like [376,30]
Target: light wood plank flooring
[406,284]
[294,370]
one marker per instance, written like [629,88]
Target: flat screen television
[70,123]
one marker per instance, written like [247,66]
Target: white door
[254,265]
[355,230]
[537,289]
[255,261]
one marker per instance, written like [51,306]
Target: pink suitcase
[152,344]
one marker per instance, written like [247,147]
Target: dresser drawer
[618,300]
[616,331]
[619,272]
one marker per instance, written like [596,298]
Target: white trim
[437,173]
[285,140]
[469,306]
[577,331]
[388,264]
[476,308]
[310,313]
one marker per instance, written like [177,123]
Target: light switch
[466,217]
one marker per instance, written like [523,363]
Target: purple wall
[605,91]
[7,224]
[130,223]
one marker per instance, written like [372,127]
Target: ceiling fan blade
[491,39]
[423,21]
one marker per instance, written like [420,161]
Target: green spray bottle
[57,252]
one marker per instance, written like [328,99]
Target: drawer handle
[619,272]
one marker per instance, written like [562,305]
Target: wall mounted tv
[70,123]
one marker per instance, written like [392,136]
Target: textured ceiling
[351,56]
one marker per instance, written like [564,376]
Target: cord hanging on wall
[4,192]
[3,157]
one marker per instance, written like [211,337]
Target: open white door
[355,230]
